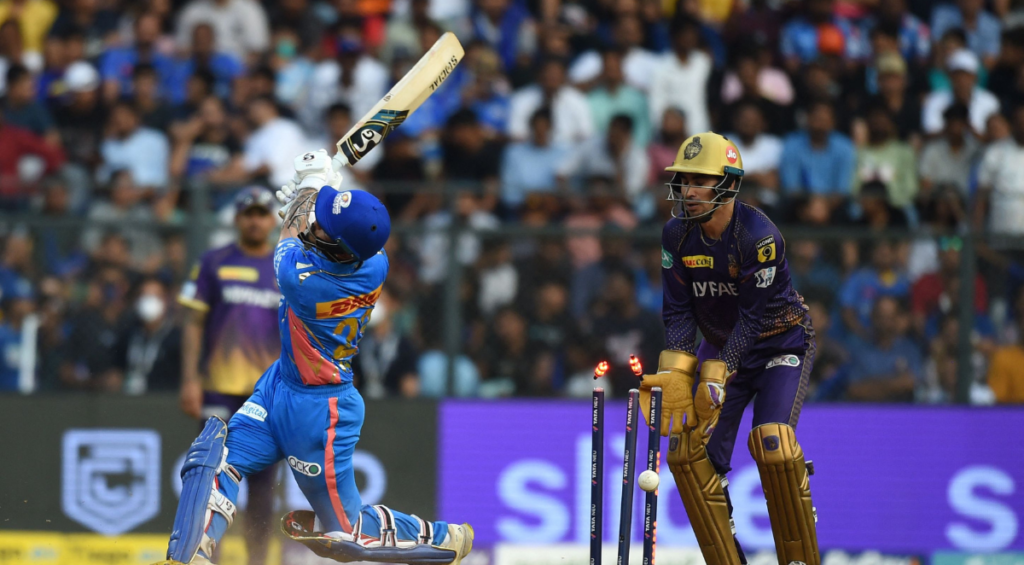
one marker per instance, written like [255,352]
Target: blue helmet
[354,220]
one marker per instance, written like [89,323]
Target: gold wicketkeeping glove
[675,377]
[710,395]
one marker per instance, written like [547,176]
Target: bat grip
[339,161]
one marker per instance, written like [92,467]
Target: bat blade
[401,101]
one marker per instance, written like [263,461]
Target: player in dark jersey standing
[725,273]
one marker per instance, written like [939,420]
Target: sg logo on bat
[372,133]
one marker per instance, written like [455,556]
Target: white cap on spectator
[81,77]
[963,60]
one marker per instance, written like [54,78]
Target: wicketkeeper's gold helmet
[705,154]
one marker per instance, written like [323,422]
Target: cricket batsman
[724,272]
[330,267]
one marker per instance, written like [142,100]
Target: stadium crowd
[899,119]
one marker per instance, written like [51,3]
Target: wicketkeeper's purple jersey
[736,290]
[239,294]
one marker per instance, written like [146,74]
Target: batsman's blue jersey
[326,305]
[736,290]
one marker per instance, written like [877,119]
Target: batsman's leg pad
[303,527]
[785,478]
[209,488]
[704,498]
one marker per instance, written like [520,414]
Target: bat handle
[339,160]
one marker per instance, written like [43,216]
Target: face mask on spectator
[286,48]
[149,308]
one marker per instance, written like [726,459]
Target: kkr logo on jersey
[714,289]
[346,306]
[697,261]
[765,249]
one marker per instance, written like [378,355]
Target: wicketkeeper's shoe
[460,540]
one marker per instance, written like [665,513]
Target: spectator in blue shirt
[224,67]
[865,286]
[802,38]
[117,65]
[18,304]
[534,165]
[982,28]
[886,366]
[21,108]
[913,35]
[809,270]
[485,92]
[88,18]
[505,26]
[818,160]
[142,151]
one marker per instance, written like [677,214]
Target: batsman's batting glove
[312,170]
[710,395]
[675,377]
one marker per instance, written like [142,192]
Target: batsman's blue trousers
[316,429]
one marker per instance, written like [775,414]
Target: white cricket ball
[648,481]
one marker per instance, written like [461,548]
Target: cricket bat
[401,101]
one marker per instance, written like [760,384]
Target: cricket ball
[648,481]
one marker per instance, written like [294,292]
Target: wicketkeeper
[724,272]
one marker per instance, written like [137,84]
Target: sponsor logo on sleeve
[345,306]
[765,249]
[308,469]
[666,259]
[784,360]
[698,261]
[254,411]
[765,277]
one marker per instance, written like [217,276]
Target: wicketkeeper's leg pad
[704,498]
[303,527]
[209,488]
[785,478]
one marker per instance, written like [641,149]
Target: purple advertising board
[897,479]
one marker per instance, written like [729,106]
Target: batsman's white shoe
[460,540]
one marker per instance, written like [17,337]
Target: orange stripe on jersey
[329,474]
[339,308]
[313,367]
